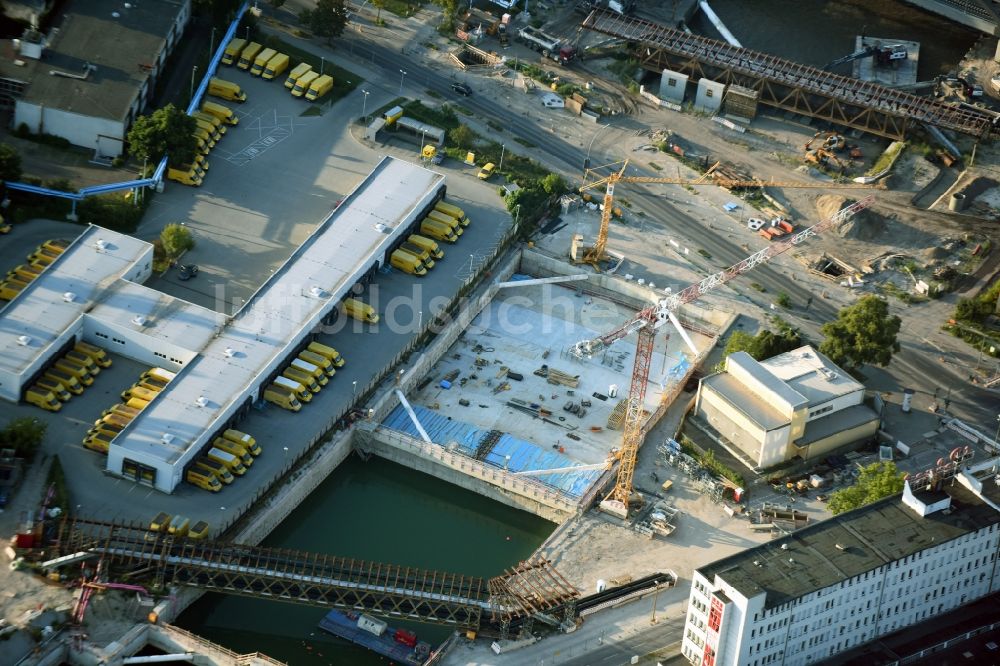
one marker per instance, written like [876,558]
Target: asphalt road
[913,367]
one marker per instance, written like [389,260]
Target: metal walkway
[323,580]
[785,84]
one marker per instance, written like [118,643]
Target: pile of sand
[863,226]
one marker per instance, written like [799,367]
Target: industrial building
[848,580]
[93,292]
[797,404]
[89,78]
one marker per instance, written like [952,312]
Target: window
[121,342]
[103,336]
[671,83]
[709,93]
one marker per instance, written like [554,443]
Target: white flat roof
[167,318]
[334,256]
[763,374]
[41,312]
[812,374]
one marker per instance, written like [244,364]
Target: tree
[878,480]
[176,239]
[328,19]
[765,344]
[378,4]
[167,131]
[24,435]
[462,137]
[10,163]
[862,333]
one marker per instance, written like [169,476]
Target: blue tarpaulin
[524,455]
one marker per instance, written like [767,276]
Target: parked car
[486,171]
[461,89]
[187,271]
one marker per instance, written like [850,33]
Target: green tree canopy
[863,333]
[878,480]
[167,131]
[10,162]
[328,19]
[463,137]
[765,344]
[24,435]
[176,239]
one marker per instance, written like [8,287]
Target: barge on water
[399,645]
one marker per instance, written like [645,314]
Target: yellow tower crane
[595,254]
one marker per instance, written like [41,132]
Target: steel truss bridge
[531,589]
[788,85]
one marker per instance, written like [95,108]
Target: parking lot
[272,179]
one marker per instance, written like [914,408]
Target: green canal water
[379,511]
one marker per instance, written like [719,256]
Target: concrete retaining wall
[465,472]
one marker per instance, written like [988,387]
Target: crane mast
[649,319]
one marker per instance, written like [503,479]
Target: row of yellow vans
[67,376]
[134,399]
[210,127]
[305,375]
[177,526]
[231,453]
[269,64]
[19,276]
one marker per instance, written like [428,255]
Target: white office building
[848,580]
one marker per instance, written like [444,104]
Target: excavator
[884,56]
[824,155]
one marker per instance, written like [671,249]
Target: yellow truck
[454,211]
[260,62]
[99,356]
[98,441]
[303,83]
[220,111]
[138,392]
[70,382]
[447,220]
[319,361]
[438,231]
[310,369]
[219,127]
[427,244]
[221,471]
[160,373]
[302,377]
[233,50]
[9,290]
[244,440]
[224,444]
[276,66]
[179,526]
[84,360]
[300,391]
[77,371]
[205,135]
[44,398]
[282,398]
[408,263]
[24,272]
[297,73]
[208,127]
[203,479]
[184,176]
[360,311]
[227,459]
[226,90]
[43,383]
[319,87]
[421,253]
[248,55]
[329,352]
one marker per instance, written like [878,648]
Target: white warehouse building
[848,580]
[92,292]
[796,404]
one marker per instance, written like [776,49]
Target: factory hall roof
[834,550]
[64,291]
[320,271]
[811,374]
[744,400]
[120,41]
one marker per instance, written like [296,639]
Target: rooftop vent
[24,340]
[167,438]
[840,546]
[791,560]
[202,401]
[139,320]
[115,15]
[784,546]
[69,296]
[230,352]
[383,228]
[757,563]
[318,292]
[101,244]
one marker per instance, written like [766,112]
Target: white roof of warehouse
[165,317]
[767,378]
[332,258]
[42,313]
[811,374]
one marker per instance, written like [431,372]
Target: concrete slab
[526,328]
[900,72]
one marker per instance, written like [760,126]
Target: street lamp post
[364,105]
[420,322]
[211,44]
[322,64]
[996,438]
[194,71]
[402,75]
[586,162]
[500,168]
[354,388]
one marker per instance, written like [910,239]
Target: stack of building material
[617,415]
[564,378]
